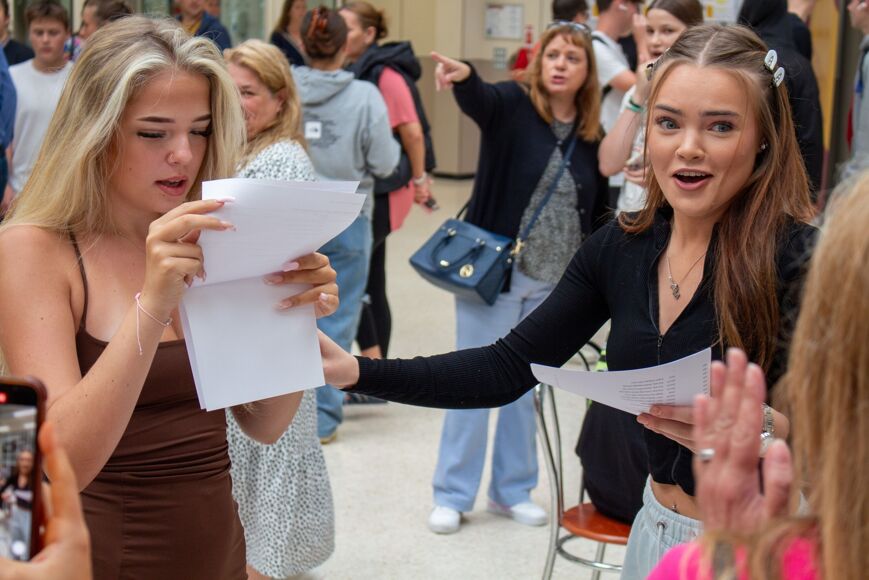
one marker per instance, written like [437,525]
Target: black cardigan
[613,277]
[515,146]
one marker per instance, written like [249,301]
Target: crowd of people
[658,173]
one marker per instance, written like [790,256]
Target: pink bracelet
[139,307]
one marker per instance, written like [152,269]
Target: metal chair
[581,521]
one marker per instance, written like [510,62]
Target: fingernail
[273,278]
[642,420]
[227,199]
[284,305]
[324,297]
[227,226]
[290,265]
[655,410]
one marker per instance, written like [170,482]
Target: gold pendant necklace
[674,286]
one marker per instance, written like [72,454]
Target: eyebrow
[676,111]
[168,120]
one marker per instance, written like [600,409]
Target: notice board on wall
[504,20]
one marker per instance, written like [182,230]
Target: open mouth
[692,177]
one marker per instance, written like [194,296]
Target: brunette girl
[714,259]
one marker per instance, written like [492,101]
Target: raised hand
[727,431]
[449,71]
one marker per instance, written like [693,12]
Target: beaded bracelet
[139,307]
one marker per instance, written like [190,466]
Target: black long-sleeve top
[613,277]
[515,146]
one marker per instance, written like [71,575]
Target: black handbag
[472,262]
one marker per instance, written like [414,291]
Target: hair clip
[319,22]
[778,74]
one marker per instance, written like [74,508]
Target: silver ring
[706,454]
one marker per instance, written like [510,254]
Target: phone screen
[19,471]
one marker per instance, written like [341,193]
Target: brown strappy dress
[162,505]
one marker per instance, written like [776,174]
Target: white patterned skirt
[283,495]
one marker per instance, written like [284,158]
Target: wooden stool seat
[586,522]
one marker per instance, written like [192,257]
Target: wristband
[421,179]
[632,106]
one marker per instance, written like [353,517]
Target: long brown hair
[262,59]
[744,277]
[284,19]
[587,98]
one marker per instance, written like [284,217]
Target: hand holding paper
[241,347]
[635,391]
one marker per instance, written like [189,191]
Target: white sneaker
[444,520]
[527,512]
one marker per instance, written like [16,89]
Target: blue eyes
[668,124]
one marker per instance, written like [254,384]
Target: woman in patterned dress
[282,490]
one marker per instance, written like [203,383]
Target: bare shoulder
[34,256]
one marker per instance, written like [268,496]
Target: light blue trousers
[350,254]
[465,432]
[656,529]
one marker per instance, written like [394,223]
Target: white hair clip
[778,74]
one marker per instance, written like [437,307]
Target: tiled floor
[382,461]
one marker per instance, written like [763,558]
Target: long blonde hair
[68,188]
[267,62]
[588,96]
[745,277]
[825,393]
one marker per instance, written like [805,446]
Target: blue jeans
[465,432]
[349,254]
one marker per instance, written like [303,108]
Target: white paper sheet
[674,383]
[241,348]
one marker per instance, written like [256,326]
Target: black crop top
[614,277]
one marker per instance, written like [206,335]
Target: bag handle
[520,239]
[447,266]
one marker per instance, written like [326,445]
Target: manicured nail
[290,265]
[324,297]
[227,226]
[273,279]
[285,304]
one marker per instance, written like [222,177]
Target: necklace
[674,286]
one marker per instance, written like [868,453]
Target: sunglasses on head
[574,26]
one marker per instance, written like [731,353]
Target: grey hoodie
[860,118]
[347,128]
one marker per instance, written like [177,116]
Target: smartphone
[431,204]
[22,410]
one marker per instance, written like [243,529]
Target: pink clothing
[399,105]
[683,563]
